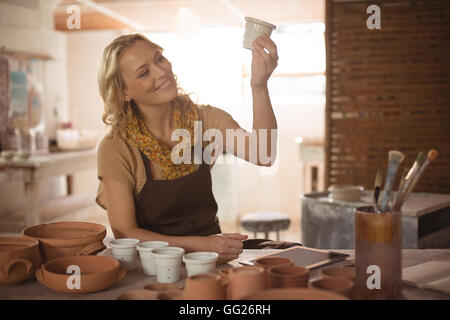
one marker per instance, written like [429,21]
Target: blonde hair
[111,84]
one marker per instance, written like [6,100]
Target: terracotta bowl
[158,286]
[336,285]
[288,276]
[19,258]
[63,239]
[346,272]
[97,273]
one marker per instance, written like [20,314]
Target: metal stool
[265,221]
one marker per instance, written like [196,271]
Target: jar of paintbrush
[378,231]
[378,253]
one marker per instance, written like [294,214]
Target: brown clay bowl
[159,286]
[97,273]
[267,262]
[63,239]
[288,276]
[346,272]
[19,258]
[336,285]
[294,294]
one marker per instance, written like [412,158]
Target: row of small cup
[161,260]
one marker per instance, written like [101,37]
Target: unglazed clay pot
[19,258]
[124,250]
[268,262]
[288,276]
[63,239]
[224,275]
[246,280]
[146,255]
[204,287]
[200,262]
[346,272]
[168,263]
[336,285]
[96,273]
[158,286]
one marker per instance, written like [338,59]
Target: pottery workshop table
[135,279]
[32,170]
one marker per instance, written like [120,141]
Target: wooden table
[135,279]
[32,170]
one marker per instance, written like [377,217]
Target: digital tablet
[303,257]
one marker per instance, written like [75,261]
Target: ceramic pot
[268,262]
[125,251]
[168,263]
[200,262]
[253,29]
[19,258]
[224,275]
[204,287]
[170,295]
[63,239]
[346,272]
[336,285]
[96,273]
[246,280]
[158,286]
[288,276]
[145,253]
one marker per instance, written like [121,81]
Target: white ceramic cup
[200,262]
[255,28]
[168,263]
[124,250]
[146,255]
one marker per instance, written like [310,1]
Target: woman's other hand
[263,63]
[227,245]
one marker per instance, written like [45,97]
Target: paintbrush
[431,156]
[377,188]
[395,158]
[406,182]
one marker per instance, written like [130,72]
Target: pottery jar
[200,262]
[63,239]
[124,250]
[95,273]
[255,28]
[168,263]
[204,287]
[336,285]
[246,280]
[268,262]
[19,258]
[288,276]
[145,253]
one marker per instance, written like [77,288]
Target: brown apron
[180,207]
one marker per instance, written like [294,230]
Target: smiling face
[147,75]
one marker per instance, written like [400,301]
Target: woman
[146,195]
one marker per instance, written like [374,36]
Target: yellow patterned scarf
[139,136]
